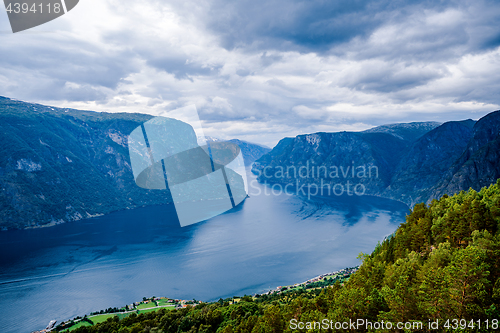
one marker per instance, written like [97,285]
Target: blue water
[268,241]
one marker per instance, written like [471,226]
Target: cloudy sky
[262,70]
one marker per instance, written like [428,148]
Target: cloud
[262,70]
[381,76]
[182,68]
[292,25]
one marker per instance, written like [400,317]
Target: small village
[316,281]
[146,305]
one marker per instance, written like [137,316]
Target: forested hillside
[442,263]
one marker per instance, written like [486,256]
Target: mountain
[250,151]
[336,153]
[59,165]
[269,156]
[406,131]
[427,159]
[479,164]
[336,160]
[411,162]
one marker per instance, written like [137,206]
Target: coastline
[171,304]
[90,216]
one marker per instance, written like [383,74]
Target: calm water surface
[268,241]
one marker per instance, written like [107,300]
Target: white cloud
[259,83]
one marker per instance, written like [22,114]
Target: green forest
[442,263]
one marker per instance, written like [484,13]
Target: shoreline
[180,303]
[59,222]
[322,277]
[90,216]
[56,223]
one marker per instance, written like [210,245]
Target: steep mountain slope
[60,165]
[415,162]
[479,164]
[250,151]
[366,158]
[427,160]
[274,153]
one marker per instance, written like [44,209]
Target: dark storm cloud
[295,25]
[44,71]
[319,25]
[384,78]
[303,25]
[491,42]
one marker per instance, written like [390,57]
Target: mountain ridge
[60,164]
[422,161]
[405,131]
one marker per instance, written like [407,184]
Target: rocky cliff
[478,164]
[411,162]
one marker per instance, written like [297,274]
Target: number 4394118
[24,8]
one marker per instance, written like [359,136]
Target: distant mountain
[378,150]
[250,151]
[338,153]
[274,153]
[59,165]
[406,131]
[413,162]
